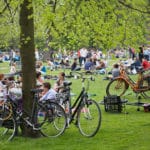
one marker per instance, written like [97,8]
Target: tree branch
[3,10]
[131,7]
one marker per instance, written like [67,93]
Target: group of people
[134,64]
[87,60]
[48,93]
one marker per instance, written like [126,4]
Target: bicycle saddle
[36,90]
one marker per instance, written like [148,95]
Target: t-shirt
[88,65]
[43,69]
[146,64]
[50,95]
[115,72]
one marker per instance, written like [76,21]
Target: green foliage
[70,24]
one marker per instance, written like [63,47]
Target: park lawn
[119,131]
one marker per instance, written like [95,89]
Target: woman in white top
[48,93]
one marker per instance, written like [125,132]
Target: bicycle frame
[129,82]
[77,104]
[23,114]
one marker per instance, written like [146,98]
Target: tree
[27,49]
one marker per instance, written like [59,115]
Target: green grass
[118,131]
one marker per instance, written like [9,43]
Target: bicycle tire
[146,85]
[89,118]
[8,129]
[53,120]
[5,111]
[117,87]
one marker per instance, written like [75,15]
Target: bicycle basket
[112,103]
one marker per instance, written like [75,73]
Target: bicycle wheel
[5,111]
[8,129]
[116,87]
[89,118]
[146,86]
[52,120]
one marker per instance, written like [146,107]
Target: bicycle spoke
[7,129]
[146,85]
[53,120]
[89,119]
[116,87]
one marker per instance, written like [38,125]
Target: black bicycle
[46,117]
[85,112]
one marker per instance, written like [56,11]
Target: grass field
[119,131]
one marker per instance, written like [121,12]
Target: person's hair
[13,64]
[145,58]
[116,66]
[1,76]
[62,74]
[38,74]
[47,85]
[141,49]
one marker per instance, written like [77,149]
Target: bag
[146,107]
[134,71]
[113,103]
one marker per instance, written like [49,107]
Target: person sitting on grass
[39,79]
[74,66]
[1,81]
[115,72]
[145,64]
[89,65]
[59,82]
[100,67]
[48,93]
[41,68]
[13,68]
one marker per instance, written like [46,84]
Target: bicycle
[119,85]
[85,113]
[79,74]
[47,117]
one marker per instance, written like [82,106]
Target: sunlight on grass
[118,131]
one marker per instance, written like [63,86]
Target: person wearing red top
[145,64]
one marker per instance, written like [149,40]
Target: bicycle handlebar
[36,90]
[91,78]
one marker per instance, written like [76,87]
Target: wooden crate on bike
[113,103]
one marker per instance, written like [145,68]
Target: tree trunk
[27,51]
